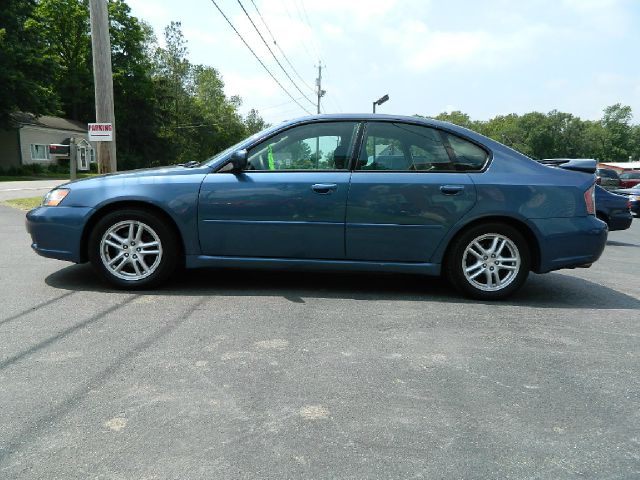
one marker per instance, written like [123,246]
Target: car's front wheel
[488,262]
[133,249]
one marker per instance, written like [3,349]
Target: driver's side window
[316,146]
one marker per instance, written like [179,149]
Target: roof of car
[371,116]
[385,117]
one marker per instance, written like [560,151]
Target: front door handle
[324,188]
[451,189]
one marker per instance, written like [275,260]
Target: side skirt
[203,261]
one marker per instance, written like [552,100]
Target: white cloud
[202,37]
[602,16]
[421,48]
[150,11]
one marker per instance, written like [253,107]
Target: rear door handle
[451,189]
[324,188]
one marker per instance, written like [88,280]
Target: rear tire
[133,249]
[488,262]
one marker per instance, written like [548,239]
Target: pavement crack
[64,333]
[33,309]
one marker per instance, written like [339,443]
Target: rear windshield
[607,173]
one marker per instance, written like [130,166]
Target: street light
[380,101]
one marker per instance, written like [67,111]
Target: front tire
[488,262]
[133,249]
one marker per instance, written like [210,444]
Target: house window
[39,152]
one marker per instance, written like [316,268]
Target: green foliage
[561,135]
[64,26]
[167,109]
[59,169]
[25,70]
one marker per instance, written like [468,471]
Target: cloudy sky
[482,57]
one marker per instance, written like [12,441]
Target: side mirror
[239,160]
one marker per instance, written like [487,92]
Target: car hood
[140,173]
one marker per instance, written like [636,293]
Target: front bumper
[634,206]
[56,232]
[570,242]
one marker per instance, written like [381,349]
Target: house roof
[24,118]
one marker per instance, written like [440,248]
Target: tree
[457,118]
[64,24]
[135,102]
[254,122]
[25,69]
[616,122]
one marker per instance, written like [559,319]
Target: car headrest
[340,157]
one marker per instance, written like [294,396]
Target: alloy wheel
[131,250]
[491,262]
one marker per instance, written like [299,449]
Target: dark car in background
[629,179]
[613,209]
[607,178]
[633,198]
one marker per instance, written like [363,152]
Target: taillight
[590,200]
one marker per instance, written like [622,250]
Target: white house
[27,143]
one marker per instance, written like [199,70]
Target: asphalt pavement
[226,374]
[27,188]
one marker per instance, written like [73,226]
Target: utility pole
[320,92]
[103,81]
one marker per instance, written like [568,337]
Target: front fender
[176,196]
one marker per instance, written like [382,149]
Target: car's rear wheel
[133,249]
[488,262]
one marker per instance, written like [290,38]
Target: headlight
[634,198]
[54,197]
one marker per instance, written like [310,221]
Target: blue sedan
[613,209]
[340,192]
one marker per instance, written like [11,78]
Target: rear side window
[400,147]
[468,156]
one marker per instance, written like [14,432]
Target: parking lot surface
[244,374]
[27,188]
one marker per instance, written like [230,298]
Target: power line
[273,54]
[306,20]
[280,49]
[258,58]
[303,42]
[271,107]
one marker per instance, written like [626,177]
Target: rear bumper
[570,242]
[56,232]
[620,221]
